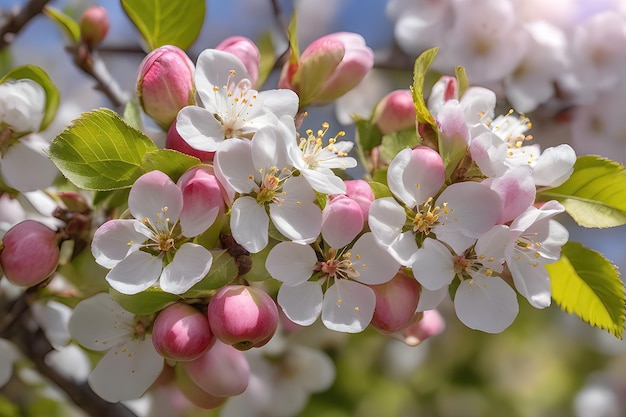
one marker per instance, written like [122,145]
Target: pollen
[356,309]
[339,301]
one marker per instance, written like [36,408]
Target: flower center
[428,216]
[237,101]
[313,150]
[338,265]
[271,185]
[163,232]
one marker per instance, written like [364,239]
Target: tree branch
[18,19]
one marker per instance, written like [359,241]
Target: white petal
[299,222]
[301,303]
[395,177]
[53,317]
[374,264]
[430,300]
[136,273]
[433,266]
[199,128]
[70,361]
[386,218]
[126,371]
[280,102]
[17,166]
[213,69]
[233,164]
[191,263]
[531,280]
[9,355]
[324,181]
[115,239]
[317,370]
[555,166]
[154,196]
[486,303]
[249,223]
[99,323]
[348,306]
[291,263]
[271,147]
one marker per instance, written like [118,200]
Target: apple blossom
[348,302]
[261,172]
[30,253]
[165,84]
[21,108]
[136,249]
[229,107]
[181,333]
[246,50]
[130,363]
[328,68]
[242,316]
[17,162]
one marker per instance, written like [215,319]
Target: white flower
[315,161]
[18,162]
[261,172]
[130,364]
[229,107]
[348,303]
[22,105]
[136,248]
[8,356]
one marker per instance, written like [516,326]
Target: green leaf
[368,135]
[292,35]
[146,302]
[380,190]
[69,26]
[268,58]
[132,113]
[166,22]
[100,151]
[595,194]
[397,141]
[461,76]
[588,285]
[223,271]
[422,63]
[172,162]
[38,75]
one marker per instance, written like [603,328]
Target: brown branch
[18,19]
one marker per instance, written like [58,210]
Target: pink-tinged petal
[115,239]
[99,323]
[348,306]
[531,279]
[487,304]
[555,165]
[199,128]
[249,223]
[291,263]
[488,151]
[445,89]
[533,215]
[342,221]
[17,165]
[213,69]
[155,197]
[433,266]
[517,190]
[281,102]
[452,127]
[431,299]
[191,263]
[126,371]
[234,166]
[478,105]
[301,303]
[372,262]
[416,174]
[136,273]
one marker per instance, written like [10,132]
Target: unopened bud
[30,253]
[94,25]
[328,68]
[395,112]
[181,333]
[396,302]
[342,221]
[193,392]
[203,200]
[243,316]
[429,323]
[361,192]
[165,84]
[246,50]
[222,371]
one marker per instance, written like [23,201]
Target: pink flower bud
[429,323]
[176,142]
[165,84]
[94,25]
[203,200]
[222,371]
[446,89]
[342,221]
[361,192]
[181,333]
[193,392]
[246,50]
[243,316]
[396,302]
[30,253]
[395,112]
[328,68]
